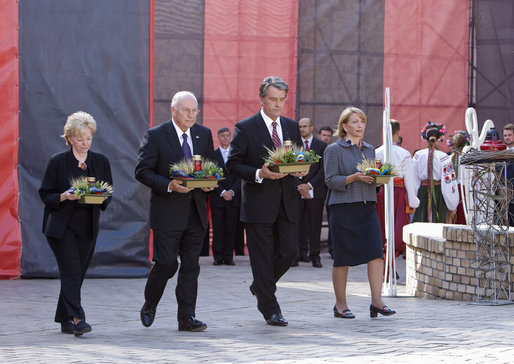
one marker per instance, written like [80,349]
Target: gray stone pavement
[425,331]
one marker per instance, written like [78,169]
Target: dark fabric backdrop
[89,55]
[340,61]
[178,53]
[494,21]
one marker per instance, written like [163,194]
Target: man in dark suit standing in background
[312,192]
[225,201]
[178,215]
[269,202]
[508,139]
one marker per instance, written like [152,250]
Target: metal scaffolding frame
[491,196]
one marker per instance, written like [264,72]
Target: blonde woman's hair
[76,124]
[345,117]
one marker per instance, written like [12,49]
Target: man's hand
[207,189]
[175,186]
[304,189]
[228,195]
[266,173]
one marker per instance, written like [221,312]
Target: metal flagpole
[390,286]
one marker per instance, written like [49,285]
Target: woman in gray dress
[354,224]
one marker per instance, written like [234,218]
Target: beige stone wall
[441,261]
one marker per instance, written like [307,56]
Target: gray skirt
[355,233]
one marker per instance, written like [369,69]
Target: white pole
[390,287]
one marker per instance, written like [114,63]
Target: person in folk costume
[457,141]
[436,180]
[405,188]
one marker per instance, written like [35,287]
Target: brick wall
[441,261]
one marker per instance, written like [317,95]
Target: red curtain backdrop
[10,236]
[425,65]
[246,41]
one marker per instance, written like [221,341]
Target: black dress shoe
[277,320]
[294,264]
[217,262]
[81,327]
[252,290]
[316,262]
[346,314]
[304,259]
[385,311]
[228,262]
[191,324]
[148,314]
[67,327]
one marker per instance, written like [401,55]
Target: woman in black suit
[71,228]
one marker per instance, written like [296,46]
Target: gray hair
[272,81]
[223,130]
[181,94]
[77,123]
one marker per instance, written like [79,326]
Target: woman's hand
[361,176]
[66,195]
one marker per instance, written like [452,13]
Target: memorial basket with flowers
[197,173]
[381,173]
[89,190]
[290,159]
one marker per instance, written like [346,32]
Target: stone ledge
[441,261]
[425,236]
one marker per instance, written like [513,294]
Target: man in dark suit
[312,192]
[508,139]
[178,215]
[269,202]
[325,135]
[225,201]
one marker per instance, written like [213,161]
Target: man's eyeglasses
[188,111]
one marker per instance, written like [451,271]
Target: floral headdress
[431,125]
[463,133]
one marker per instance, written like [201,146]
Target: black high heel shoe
[346,314]
[384,311]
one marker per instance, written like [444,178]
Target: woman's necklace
[82,161]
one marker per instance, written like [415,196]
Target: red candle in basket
[197,160]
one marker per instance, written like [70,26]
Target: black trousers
[310,215]
[272,248]
[73,253]
[239,244]
[168,245]
[224,228]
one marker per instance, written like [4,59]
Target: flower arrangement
[82,186]
[291,154]
[431,125]
[376,168]
[290,158]
[191,170]
[465,134]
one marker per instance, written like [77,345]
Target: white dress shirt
[402,161]
[224,153]
[180,139]
[269,122]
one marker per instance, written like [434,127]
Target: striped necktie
[274,136]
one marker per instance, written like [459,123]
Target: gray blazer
[340,160]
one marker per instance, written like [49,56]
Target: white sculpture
[466,172]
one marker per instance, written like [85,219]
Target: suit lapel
[174,142]
[221,163]
[286,133]
[262,131]
[196,139]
